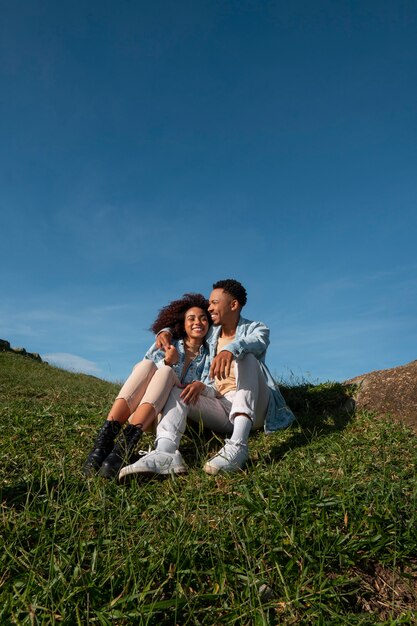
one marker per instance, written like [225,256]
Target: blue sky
[151,148]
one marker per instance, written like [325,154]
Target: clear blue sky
[150,148]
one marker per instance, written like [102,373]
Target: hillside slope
[41,407]
[320,528]
[33,381]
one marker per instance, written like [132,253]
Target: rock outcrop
[6,347]
[389,392]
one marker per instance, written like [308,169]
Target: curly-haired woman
[145,392]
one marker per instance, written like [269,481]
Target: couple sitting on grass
[208,365]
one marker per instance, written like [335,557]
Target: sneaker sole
[213,470]
[150,473]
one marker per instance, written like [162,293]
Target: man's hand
[220,367]
[192,392]
[171,356]
[163,340]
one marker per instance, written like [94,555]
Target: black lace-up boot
[103,445]
[121,454]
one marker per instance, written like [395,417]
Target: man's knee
[176,394]
[174,404]
[248,363]
[249,359]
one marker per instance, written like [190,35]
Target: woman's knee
[166,376]
[146,365]
[166,370]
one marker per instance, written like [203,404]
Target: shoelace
[143,452]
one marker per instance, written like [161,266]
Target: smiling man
[246,397]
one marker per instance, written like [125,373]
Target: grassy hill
[319,529]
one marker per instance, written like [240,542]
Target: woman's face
[196,323]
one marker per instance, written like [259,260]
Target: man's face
[222,307]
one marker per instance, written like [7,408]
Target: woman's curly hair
[173,314]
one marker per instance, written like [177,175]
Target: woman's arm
[161,358]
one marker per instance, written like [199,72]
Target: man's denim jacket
[253,337]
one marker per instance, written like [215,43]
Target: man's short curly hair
[172,315]
[234,288]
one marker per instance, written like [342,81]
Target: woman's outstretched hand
[191,393]
[171,356]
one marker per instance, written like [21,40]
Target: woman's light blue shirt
[198,369]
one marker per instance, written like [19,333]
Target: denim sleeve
[255,341]
[155,355]
[165,330]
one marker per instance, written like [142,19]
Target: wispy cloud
[72,362]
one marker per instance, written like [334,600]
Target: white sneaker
[230,458]
[156,462]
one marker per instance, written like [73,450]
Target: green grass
[319,529]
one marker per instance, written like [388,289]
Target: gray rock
[21,351]
[389,392]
